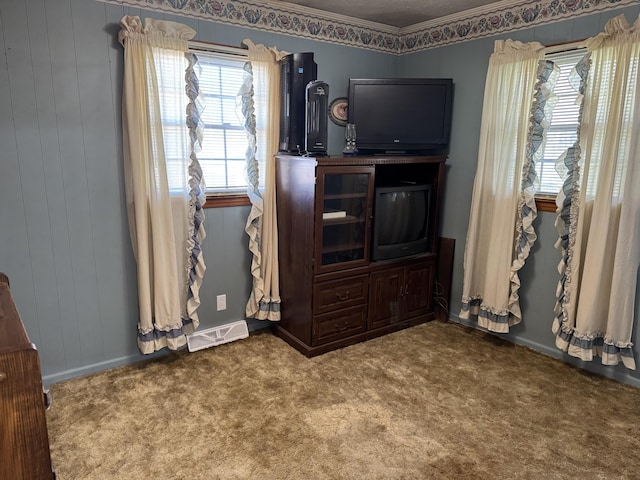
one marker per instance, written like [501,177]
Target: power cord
[440,300]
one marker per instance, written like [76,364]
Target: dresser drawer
[340,324]
[338,294]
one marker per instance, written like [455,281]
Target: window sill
[546,203]
[230,200]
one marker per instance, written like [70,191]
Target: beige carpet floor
[436,401]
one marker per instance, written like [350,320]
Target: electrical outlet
[221,302]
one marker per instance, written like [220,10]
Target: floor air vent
[217,335]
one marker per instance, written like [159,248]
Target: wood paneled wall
[64,238]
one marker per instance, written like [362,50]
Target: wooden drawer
[339,294]
[340,324]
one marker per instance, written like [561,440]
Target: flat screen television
[401,221]
[401,115]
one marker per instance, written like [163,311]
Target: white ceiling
[396,13]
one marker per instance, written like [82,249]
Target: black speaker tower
[297,70]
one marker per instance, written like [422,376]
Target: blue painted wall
[64,239]
[467,64]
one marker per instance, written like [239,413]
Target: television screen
[401,221]
[403,115]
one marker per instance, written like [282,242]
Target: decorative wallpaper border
[493,19]
[503,17]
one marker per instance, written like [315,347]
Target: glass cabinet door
[343,217]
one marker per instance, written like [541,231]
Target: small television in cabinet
[401,220]
[401,115]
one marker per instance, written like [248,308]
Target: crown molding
[295,20]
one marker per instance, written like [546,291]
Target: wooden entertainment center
[333,294]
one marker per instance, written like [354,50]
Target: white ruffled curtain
[164,187]
[261,109]
[515,112]
[599,206]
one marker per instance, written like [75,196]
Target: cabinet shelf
[342,196]
[328,222]
[344,247]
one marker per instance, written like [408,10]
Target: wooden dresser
[24,442]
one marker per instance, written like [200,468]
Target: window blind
[224,141]
[563,130]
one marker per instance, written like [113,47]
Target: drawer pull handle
[341,327]
[3,377]
[344,297]
[48,399]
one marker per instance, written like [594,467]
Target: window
[563,130]
[224,141]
